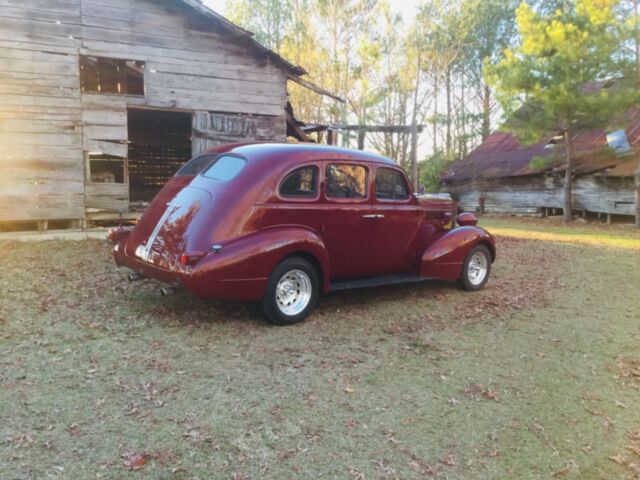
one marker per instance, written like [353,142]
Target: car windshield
[225,168]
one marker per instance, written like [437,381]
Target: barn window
[111,76]
[106,168]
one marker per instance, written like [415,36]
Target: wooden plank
[36,91]
[33,55]
[121,49]
[29,125]
[34,151]
[34,189]
[51,207]
[221,101]
[39,79]
[48,139]
[108,196]
[104,117]
[10,44]
[92,101]
[42,113]
[47,68]
[209,84]
[64,6]
[105,132]
[173,101]
[44,15]
[107,148]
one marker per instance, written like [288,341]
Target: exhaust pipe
[166,291]
[134,276]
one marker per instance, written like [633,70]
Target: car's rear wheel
[292,292]
[476,268]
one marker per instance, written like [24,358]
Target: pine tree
[545,83]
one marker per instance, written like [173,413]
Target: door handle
[379,215]
[369,216]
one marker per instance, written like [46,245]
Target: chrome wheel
[478,268]
[293,292]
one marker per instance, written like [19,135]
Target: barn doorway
[159,143]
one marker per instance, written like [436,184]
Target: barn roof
[244,36]
[502,155]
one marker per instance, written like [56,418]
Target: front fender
[241,270]
[443,259]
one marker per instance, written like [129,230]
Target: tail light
[117,234]
[191,258]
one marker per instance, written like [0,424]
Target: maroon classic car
[280,223]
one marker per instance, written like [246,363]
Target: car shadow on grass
[186,308]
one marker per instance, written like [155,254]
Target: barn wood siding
[47,124]
[41,160]
[530,193]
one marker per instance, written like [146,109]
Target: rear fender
[443,259]
[241,269]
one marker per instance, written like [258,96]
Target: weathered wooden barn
[102,100]
[504,176]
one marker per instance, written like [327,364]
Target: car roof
[297,152]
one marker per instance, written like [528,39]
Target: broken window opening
[111,76]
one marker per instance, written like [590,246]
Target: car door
[394,237]
[348,218]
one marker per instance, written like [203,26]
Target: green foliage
[429,171]
[551,79]
[542,162]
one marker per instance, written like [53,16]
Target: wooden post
[414,155]
[608,219]
[568,176]
[361,134]
[636,178]
[330,137]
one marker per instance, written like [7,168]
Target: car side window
[346,181]
[391,185]
[302,182]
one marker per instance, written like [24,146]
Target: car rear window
[225,168]
[302,182]
[194,166]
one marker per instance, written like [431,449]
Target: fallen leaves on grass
[355,473]
[619,459]
[628,370]
[477,391]
[134,460]
[449,460]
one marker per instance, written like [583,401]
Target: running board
[382,280]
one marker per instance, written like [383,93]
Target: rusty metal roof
[502,155]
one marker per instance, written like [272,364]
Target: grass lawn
[537,376]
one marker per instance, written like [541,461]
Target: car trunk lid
[161,235]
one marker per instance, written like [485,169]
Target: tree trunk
[486,112]
[568,176]
[448,123]
[414,154]
[435,114]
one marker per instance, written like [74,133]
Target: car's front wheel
[476,268]
[292,292]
